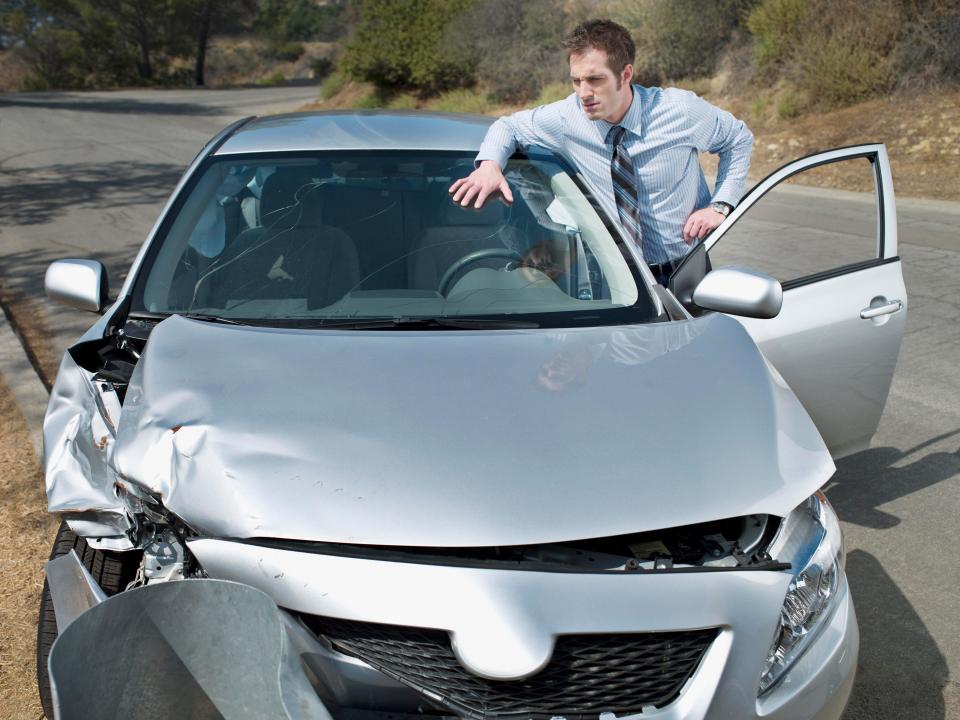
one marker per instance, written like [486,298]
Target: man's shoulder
[563,105]
[669,97]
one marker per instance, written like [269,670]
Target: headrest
[291,197]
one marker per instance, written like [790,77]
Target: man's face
[604,94]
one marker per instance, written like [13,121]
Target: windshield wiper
[210,318]
[420,323]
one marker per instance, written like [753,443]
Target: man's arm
[717,131]
[540,126]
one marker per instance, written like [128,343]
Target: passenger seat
[293,254]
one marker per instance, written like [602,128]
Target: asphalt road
[85,176]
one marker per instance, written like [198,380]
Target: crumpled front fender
[79,435]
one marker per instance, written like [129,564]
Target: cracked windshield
[329,238]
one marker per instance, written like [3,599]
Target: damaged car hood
[463,438]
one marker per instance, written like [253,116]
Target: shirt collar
[630,121]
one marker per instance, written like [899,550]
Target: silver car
[343,448]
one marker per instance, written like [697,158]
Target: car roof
[358,130]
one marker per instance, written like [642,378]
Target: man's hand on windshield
[700,223]
[481,184]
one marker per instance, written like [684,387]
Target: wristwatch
[721,207]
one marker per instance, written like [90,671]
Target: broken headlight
[810,538]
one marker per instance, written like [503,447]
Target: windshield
[326,238]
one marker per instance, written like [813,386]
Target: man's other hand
[481,184]
[700,223]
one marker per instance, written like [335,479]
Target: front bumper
[503,624]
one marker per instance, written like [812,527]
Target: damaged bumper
[215,647]
[197,649]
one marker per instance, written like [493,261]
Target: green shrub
[462,101]
[776,26]
[790,105]
[288,51]
[553,92]
[403,101]
[760,105]
[929,51]
[176,77]
[399,43]
[513,48]
[833,52]
[332,85]
[275,78]
[370,101]
[301,19]
[678,38]
[839,70]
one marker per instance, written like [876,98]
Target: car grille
[587,674]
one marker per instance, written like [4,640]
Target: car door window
[819,226]
[822,220]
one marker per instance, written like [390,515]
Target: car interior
[290,237]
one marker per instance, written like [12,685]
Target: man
[637,147]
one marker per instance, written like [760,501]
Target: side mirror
[78,283]
[740,291]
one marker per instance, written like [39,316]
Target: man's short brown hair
[603,35]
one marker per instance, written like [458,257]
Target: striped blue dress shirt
[666,129]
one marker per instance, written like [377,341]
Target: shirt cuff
[498,156]
[726,196]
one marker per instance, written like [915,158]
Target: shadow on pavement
[23,272]
[127,106]
[867,480]
[32,196]
[901,672]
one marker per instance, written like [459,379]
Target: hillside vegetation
[805,74]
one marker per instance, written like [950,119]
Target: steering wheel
[471,258]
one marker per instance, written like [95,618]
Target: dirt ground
[921,132]
[26,534]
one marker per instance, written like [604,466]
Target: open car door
[836,340]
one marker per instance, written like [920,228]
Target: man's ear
[627,74]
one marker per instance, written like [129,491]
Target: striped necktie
[625,187]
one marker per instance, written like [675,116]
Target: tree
[513,48]
[400,43]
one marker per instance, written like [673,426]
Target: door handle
[878,310]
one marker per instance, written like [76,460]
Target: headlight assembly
[811,540]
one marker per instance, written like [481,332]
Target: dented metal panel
[72,589]
[160,651]
[372,437]
[79,438]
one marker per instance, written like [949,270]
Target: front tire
[113,571]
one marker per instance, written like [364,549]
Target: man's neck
[626,107]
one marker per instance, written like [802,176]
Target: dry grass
[26,534]
[921,132]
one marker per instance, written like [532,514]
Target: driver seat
[463,231]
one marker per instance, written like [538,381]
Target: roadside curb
[29,392]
